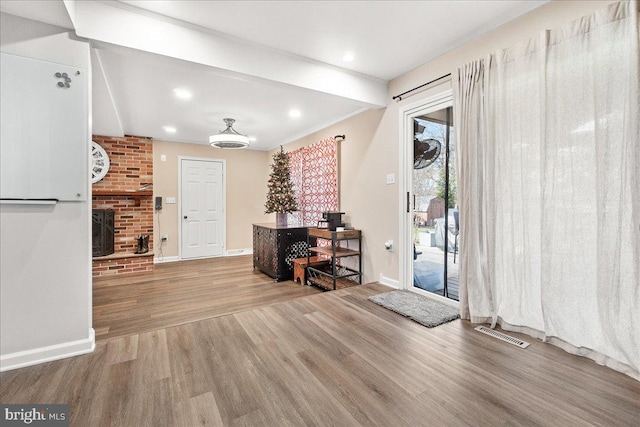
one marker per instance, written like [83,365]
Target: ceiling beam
[105,117]
[50,12]
[70,6]
[114,23]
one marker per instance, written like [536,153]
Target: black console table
[275,247]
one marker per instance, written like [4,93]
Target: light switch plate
[171,200]
[163,157]
[391,178]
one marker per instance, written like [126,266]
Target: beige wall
[357,198]
[370,151]
[246,189]
[551,15]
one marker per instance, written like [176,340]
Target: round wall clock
[99,162]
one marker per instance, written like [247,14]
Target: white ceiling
[255,60]
[388,38]
[143,85]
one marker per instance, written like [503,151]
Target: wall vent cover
[503,337]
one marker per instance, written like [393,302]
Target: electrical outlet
[165,237]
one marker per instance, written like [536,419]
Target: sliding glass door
[435,231]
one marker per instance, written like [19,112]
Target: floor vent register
[503,337]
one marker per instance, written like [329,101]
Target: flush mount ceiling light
[229,138]
[169,129]
[348,56]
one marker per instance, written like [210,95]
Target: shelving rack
[334,276]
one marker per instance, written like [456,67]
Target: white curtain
[549,183]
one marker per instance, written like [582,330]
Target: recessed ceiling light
[169,129]
[348,57]
[182,93]
[294,113]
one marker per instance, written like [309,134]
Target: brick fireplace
[131,168]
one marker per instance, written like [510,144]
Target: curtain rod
[399,97]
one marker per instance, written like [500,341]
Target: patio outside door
[435,231]
[202,208]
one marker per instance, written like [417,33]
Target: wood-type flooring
[328,359]
[182,292]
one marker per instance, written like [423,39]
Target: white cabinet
[44,139]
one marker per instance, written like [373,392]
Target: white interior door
[202,208]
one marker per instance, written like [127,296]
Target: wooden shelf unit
[327,234]
[135,194]
[335,276]
[337,252]
[327,283]
[122,256]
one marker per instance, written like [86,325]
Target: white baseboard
[232,252]
[389,282]
[166,259]
[35,356]
[236,252]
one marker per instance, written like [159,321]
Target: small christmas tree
[280,197]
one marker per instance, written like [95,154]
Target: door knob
[185,217]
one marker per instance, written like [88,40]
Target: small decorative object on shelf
[281,218]
[331,221]
[143,244]
[280,196]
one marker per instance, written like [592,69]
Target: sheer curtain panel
[549,171]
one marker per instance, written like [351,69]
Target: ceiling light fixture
[348,57]
[182,93]
[229,138]
[169,129]
[294,113]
